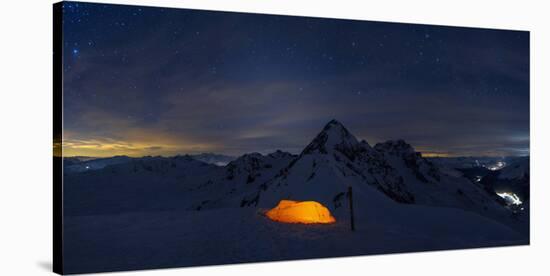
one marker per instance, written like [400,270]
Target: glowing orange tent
[307,212]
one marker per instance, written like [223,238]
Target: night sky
[157,81]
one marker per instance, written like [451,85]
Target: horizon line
[425,155]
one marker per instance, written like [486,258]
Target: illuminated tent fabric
[290,211]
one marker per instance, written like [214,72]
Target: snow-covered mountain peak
[395,147]
[253,155]
[280,154]
[333,136]
[214,158]
[249,161]
[334,127]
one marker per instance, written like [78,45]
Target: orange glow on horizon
[307,212]
[435,154]
[111,147]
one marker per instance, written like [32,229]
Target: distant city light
[87,167]
[495,167]
[510,198]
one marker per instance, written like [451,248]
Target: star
[75,51]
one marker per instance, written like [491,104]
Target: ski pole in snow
[350,195]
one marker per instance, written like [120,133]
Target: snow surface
[72,165]
[179,211]
[212,158]
[235,235]
[517,169]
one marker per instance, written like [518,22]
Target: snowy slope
[240,176]
[81,164]
[212,158]
[431,186]
[142,184]
[166,183]
[70,166]
[512,179]
[333,161]
[178,211]
[391,171]
[222,236]
[516,169]
[71,160]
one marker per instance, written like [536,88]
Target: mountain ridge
[389,173]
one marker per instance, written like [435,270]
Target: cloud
[105,134]
[217,83]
